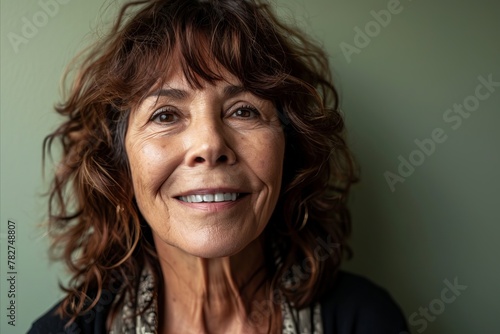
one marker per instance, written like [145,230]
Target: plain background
[441,223]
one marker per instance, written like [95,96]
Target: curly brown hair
[96,226]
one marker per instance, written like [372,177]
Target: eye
[164,116]
[245,112]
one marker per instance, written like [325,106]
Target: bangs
[201,39]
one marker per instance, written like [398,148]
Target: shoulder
[93,321]
[356,305]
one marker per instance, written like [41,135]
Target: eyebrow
[179,94]
[232,90]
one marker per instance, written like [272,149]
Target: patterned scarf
[305,321]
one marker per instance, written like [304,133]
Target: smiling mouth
[211,198]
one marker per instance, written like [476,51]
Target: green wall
[430,224]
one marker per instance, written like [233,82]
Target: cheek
[150,165]
[268,151]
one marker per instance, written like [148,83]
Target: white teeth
[208,198]
[218,197]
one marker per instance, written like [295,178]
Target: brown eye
[245,112]
[164,116]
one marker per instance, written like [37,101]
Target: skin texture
[220,138]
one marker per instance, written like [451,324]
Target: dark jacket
[354,306]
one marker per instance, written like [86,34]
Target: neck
[210,295]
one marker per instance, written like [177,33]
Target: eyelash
[170,112]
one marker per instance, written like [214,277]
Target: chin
[210,251]
[208,246]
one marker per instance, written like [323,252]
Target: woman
[203,182]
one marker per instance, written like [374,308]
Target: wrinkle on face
[207,255]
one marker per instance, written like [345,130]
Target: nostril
[222,158]
[199,159]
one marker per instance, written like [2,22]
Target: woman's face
[206,164]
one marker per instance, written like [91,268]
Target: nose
[208,144]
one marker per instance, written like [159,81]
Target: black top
[354,306]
